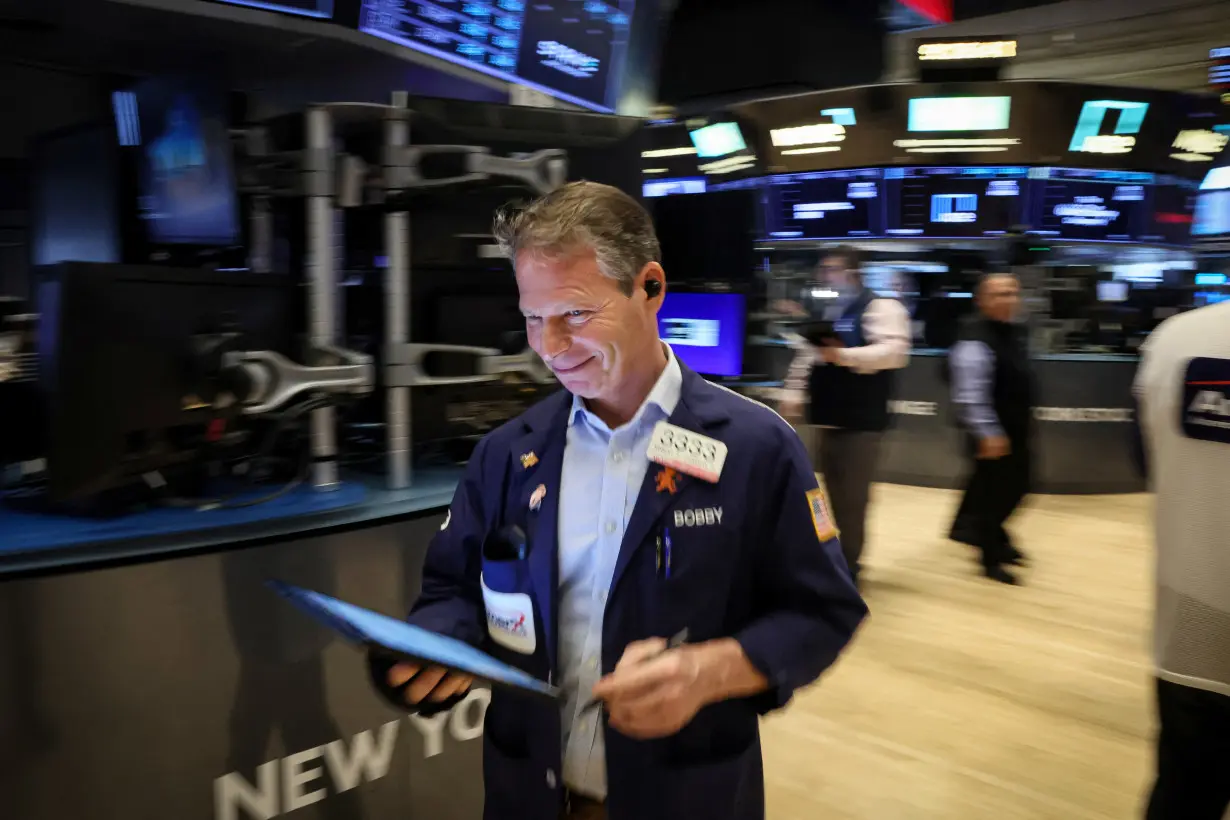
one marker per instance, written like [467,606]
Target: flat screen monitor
[953,202]
[718,140]
[188,191]
[669,187]
[1113,291]
[1078,203]
[959,113]
[1212,216]
[570,49]
[824,205]
[1172,204]
[322,9]
[706,331]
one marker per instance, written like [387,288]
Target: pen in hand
[674,642]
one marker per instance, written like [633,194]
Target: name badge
[510,620]
[1205,413]
[689,453]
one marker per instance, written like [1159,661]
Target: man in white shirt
[1183,407]
[848,380]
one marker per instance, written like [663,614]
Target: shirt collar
[663,398]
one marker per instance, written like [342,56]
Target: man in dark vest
[849,381]
[992,391]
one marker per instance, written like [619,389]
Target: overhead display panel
[1172,205]
[573,50]
[303,8]
[996,123]
[1081,203]
[954,202]
[824,205]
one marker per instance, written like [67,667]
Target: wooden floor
[963,698]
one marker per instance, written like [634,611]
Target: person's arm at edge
[450,602]
[1139,444]
[886,325]
[811,606]
[971,363]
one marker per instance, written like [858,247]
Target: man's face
[578,320]
[1000,298]
[835,272]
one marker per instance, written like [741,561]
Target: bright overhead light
[993,50]
[819,149]
[971,149]
[668,152]
[808,134]
[914,143]
[654,170]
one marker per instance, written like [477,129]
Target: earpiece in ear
[653,288]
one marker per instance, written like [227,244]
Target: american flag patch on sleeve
[821,514]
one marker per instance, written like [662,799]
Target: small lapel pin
[528,460]
[540,492]
[666,481]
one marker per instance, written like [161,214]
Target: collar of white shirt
[664,396]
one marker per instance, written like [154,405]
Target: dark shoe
[1017,558]
[1002,575]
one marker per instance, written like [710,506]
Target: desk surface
[31,542]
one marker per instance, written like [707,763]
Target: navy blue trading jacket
[760,574]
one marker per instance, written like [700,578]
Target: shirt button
[610,526]
[593,666]
[617,456]
[551,778]
[602,597]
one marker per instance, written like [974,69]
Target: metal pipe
[397,301]
[322,286]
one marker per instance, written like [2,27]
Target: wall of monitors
[960,202]
[570,49]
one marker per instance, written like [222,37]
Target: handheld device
[408,642]
[818,331]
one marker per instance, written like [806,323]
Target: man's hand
[653,693]
[993,447]
[830,352]
[433,683]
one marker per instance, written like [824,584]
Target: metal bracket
[542,171]
[405,365]
[276,379]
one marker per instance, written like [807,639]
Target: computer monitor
[1113,291]
[706,331]
[123,392]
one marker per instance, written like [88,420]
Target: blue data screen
[571,49]
[363,624]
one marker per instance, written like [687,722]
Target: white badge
[689,453]
[510,620]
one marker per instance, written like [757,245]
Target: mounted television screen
[1172,203]
[188,192]
[571,49]
[303,8]
[824,205]
[953,202]
[705,330]
[1078,203]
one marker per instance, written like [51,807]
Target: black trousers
[1193,754]
[994,489]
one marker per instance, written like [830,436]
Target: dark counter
[155,676]
[1083,426]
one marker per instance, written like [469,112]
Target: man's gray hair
[578,216]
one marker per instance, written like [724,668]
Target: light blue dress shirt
[601,479]
[973,364]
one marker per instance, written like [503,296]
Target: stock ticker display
[571,49]
[978,201]
[1080,203]
[954,202]
[824,205]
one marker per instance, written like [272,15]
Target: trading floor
[964,698]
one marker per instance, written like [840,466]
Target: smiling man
[655,504]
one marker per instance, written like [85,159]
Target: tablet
[403,640]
